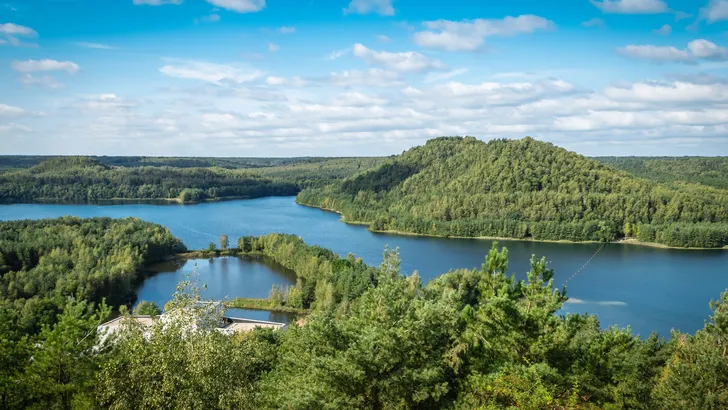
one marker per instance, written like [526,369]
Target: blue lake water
[648,289]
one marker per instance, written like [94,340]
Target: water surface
[650,289]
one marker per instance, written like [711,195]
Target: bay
[649,289]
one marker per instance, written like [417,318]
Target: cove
[649,289]
[226,278]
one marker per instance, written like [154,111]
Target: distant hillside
[27,161]
[711,171]
[86,179]
[524,189]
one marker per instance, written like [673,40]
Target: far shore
[624,241]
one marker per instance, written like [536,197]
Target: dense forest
[27,161]
[524,189]
[44,262]
[84,179]
[375,339]
[711,171]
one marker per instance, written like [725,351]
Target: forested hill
[86,179]
[711,171]
[525,189]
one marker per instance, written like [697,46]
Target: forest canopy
[523,189]
[86,179]
[471,338]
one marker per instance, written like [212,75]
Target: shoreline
[624,241]
[261,304]
[146,201]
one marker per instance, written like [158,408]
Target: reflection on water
[650,289]
[226,278]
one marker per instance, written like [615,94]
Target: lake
[649,289]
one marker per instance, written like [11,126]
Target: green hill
[525,189]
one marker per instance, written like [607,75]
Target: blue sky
[361,77]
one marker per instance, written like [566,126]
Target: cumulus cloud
[381,7]
[273,47]
[288,82]
[665,30]
[211,72]
[469,35]
[379,113]
[707,50]
[30,66]
[696,49]
[656,54]
[409,61]
[239,6]
[631,6]
[716,10]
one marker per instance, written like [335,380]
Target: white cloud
[631,6]
[716,10]
[286,29]
[410,61]
[10,111]
[433,77]
[595,22]
[382,7]
[665,30]
[383,38]
[157,2]
[336,54]
[273,47]
[11,32]
[708,50]
[17,30]
[656,54]
[94,45]
[30,66]
[211,72]
[239,6]
[44,81]
[283,81]
[469,35]
[675,92]
[696,49]
[374,77]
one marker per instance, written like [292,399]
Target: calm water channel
[648,289]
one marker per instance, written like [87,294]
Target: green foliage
[147,308]
[710,171]
[322,276]
[224,242]
[47,261]
[187,180]
[523,189]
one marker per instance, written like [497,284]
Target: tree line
[84,179]
[44,262]
[523,189]
[471,338]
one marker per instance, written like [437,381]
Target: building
[228,325]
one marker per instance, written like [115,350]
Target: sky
[361,77]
